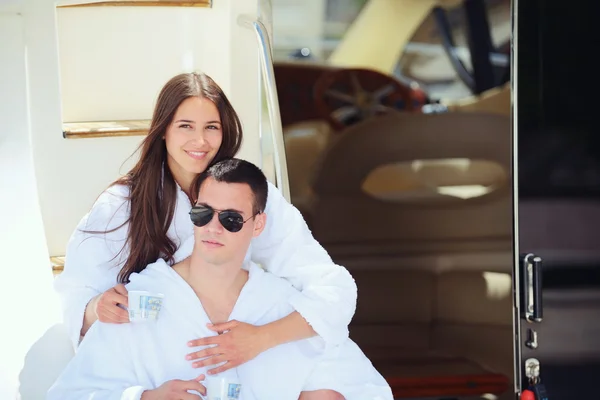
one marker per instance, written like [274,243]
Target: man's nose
[214,225]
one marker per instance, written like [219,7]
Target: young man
[147,361]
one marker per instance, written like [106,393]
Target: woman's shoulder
[110,210]
[275,199]
[114,194]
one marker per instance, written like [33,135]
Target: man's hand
[239,343]
[176,390]
[106,307]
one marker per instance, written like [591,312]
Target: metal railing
[268,74]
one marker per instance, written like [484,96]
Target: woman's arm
[288,329]
[327,292]
[91,263]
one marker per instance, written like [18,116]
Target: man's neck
[217,286]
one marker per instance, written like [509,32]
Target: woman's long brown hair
[152,188]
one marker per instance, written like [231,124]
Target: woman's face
[193,139]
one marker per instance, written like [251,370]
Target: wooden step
[140,3]
[58,264]
[79,130]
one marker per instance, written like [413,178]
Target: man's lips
[212,243]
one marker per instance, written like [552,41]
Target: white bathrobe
[326,295]
[119,362]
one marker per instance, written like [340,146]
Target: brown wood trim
[448,386]
[80,130]
[142,3]
[58,264]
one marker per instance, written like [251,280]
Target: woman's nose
[199,137]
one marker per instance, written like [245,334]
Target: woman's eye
[212,127]
[185,126]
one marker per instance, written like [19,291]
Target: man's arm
[102,368]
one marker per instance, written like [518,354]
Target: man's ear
[260,221]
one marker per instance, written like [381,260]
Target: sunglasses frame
[221,215]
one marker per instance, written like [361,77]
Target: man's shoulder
[102,333]
[153,277]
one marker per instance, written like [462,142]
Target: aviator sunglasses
[233,221]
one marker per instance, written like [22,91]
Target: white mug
[222,388]
[143,305]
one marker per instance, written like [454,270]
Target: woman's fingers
[214,360]
[211,351]
[205,341]
[108,309]
[222,368]
[112,313]
[122,293]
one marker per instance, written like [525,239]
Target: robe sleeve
[102,369]
[92,260]
[327,293]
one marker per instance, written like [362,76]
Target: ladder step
[141,3]
[58,264]
[80,130]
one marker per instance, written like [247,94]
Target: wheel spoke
[356,83]
[381,108]
[343,113]
[383,92]
[340,96]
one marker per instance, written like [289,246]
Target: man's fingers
[190,396]
[192,385]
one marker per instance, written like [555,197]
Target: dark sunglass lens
[231,221]
[201,215]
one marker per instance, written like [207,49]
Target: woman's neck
[183,178]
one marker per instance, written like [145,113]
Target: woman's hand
[104,308]
[239,343]
[106,305]
[176,390]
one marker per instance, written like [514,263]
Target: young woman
[144,216]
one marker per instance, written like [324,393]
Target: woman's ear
[260,221]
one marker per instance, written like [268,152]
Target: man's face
[214,243]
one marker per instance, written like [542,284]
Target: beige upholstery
[473,317]
[428,302]
[495,101]
[343,214]
[420,323]
[304,142]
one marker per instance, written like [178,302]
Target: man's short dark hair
[235,170]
